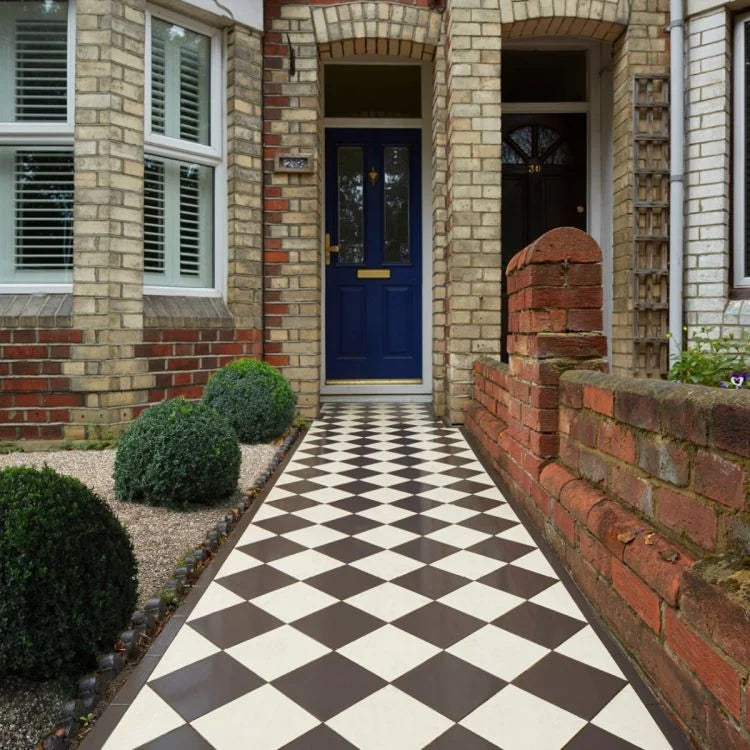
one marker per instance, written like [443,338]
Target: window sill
[173,311]
[36,310]
[739,293]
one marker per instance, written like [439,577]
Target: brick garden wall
[631,482]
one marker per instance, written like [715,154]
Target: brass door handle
[330,248]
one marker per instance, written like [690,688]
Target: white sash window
[184,155]
[742,153]
[36,142]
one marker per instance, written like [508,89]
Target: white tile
[499,652]
[517,720]
[518,534]
[388,601]
[314,536]
[480,478]
[268,511]
[385,480]
[293,602]
[277,652]
[215,598]
[439,480]
[450,513]
[386,536]
[442,494]
[389,719]
[147,718]
[484,602]
[625,716]
[236,563]
[305,564]
[492,493]
[557,597]
[321,513]
[327,495]
[504,511]
[338,467]
[586,646]
[331,480]
[187,647]
[385,495]
[254,533]
[385,513]
[277,493]
[385,466]
[269,720]
[458,536]
[387,565]
[468,564]
[536,562]
[340,456]
[389,652]
[428,455]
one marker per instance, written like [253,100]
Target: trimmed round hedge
[177,453]
[67,574]
[254,397]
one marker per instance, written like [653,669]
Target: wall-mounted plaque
[295,163]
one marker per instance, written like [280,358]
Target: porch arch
[376,28]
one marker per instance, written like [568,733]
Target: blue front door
[373,256]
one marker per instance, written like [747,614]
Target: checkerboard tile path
[387,596]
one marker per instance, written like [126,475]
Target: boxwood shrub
[67,574]
[254,397]
[177,453]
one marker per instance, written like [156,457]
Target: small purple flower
[738,380]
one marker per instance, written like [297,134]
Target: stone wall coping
[36,310]
[185,312]
[561,245]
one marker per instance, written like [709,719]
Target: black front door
[544,182]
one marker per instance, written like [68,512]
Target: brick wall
[35,395]
[631,482]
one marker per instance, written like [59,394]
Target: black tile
[320,738]
[539,624]
[431,582]
[233,625]
[268,550]
[593,738]
[337,625]
[307,473]
[349,549]
[344,582]
[419,524]
[570,684]
[459,738]
[358,487]
[256,581]
[184,738]
[206,685]
[292,503]
[355,504]
[426,550]
[475,502]
[414,487]
[283,524]
[518,581]
[501,549]
[352,524]
[329,685]
[449,685]
[301,487]
[468,486]
[490,524]
[440,625]
[415,503]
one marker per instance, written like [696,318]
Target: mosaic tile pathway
[386,596]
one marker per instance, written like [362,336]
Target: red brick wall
[630,480]
[35,397]
[183,359]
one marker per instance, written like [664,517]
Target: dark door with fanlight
[544,182]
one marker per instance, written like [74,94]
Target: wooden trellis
[650,224]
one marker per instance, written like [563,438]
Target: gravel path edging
[146,623]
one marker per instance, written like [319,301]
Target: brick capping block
[631,481]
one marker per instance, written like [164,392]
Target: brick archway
[604,20]
[376,28]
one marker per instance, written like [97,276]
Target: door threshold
[375,381]
[415,398]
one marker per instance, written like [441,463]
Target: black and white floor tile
[387,596]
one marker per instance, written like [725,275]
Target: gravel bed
[160,538]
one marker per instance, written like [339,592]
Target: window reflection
[350,207]
[396,187]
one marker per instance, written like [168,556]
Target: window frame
[44,135]
[212,155]
[740,277]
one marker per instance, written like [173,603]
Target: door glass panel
[350,195]
[396,198]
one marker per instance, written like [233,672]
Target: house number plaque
[294,163]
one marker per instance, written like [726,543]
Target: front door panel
[374,268]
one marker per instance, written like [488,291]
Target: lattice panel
[650,224]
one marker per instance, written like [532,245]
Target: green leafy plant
[254,397]
[175,454]
[67,574]
[722,361]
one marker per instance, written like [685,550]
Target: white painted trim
[599,200]
[738,160]
[211,155]
[37,288]
[401,398]
[423,391]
